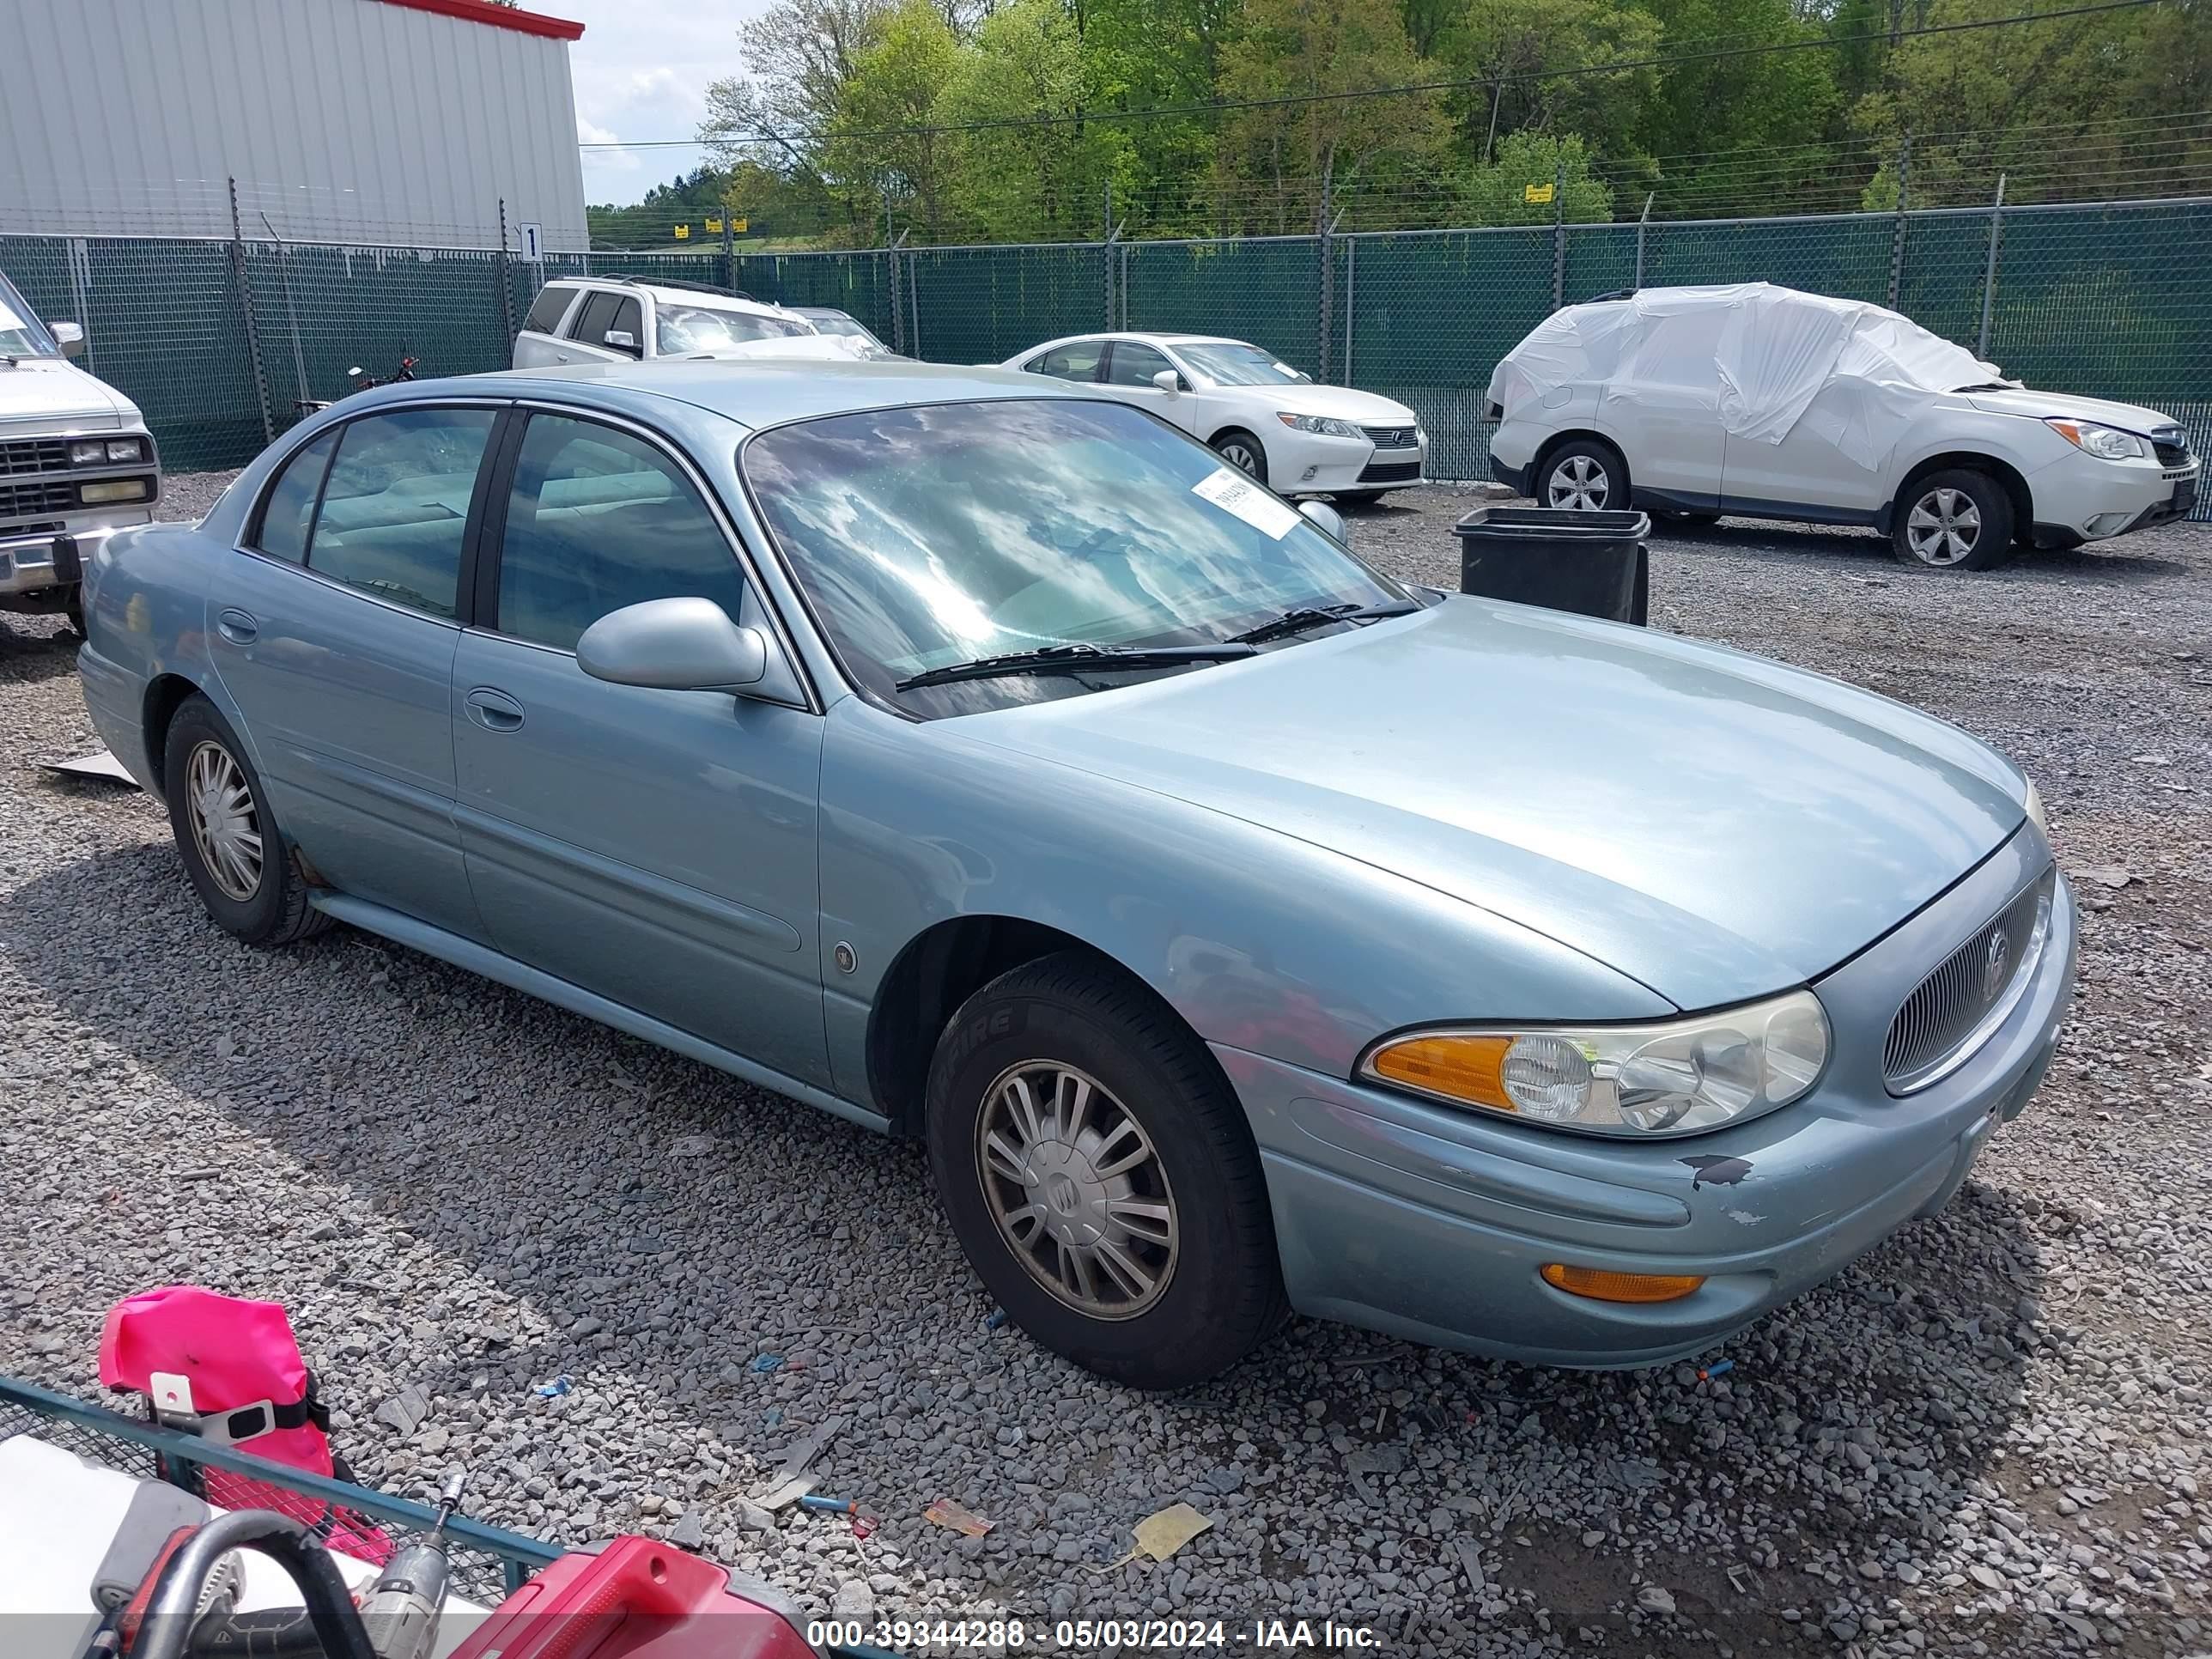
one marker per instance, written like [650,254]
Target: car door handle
[560,357]
[237,627]
[495,711]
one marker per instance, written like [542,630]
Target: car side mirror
[1168,381]
[68,337]
[1326,520]
[673,645]
[621,339]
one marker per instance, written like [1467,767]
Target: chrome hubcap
[226,828]
[1241,457]
[1943,526]
[1579,482]
[1076,1189]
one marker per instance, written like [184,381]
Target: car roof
[699,293]
[756,391]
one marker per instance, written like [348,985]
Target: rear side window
[594,318]
[288,512]
[1077,362]
[396,504]
[546,315]
[598,520]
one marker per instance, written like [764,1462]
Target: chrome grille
[1391,437]
[1952,1011]
[20,455]
[38,499]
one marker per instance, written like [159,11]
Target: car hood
[2131,417]
[1712,824]
[1342,402]
[53,389]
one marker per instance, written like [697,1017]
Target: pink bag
[229,1371]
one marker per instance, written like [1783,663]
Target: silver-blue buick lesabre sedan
[1243,930]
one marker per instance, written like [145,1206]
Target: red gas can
[638,1599]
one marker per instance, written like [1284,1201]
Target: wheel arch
[166,693]
[1557,441]
[1974,460]
[931,976]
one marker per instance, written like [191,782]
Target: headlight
[2035,810]
[1326,425]
[108,491]
[2107,443]
[87,452]
[126,449]
[1671,1078]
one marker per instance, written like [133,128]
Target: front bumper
[1432,1225]
[2079,498]
[1308,464]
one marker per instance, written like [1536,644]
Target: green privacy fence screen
[217,341]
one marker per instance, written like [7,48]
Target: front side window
[1132,364]
[598,520]
[396,505]
[933,536]
[22,333]
[679,330]
[1230,362]
[594,318]
[545,314]
[288,513]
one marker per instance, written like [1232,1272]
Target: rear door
[1130,367]
[334,630]
[1663,408]
[540,344]
[657,848]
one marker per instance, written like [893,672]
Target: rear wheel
[1582,475]
[1683,518]
[1101,1177]
[1244,451]
[232,848]
[1955,519]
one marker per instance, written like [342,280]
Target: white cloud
[641,73]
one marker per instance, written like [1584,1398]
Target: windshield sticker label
[1232,492]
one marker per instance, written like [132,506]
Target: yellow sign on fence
[683,233]
[713,226]
[1536,193]
[737,226]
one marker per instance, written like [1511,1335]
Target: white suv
[615,319]
[1768,403]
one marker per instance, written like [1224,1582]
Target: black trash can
[1591,563]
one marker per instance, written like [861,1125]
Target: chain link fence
[217,341]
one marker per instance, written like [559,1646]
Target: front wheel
[1101,1176]
[1244,451]
[1955,519]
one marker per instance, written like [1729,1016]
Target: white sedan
[1296,436]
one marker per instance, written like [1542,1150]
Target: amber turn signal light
[1465,1068]
[1601,1285]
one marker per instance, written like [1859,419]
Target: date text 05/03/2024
[1084,1635]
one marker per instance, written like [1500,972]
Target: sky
[640,72]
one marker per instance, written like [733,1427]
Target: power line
[1617,66]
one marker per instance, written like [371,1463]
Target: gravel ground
[1989,1437]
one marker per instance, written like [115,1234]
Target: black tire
[1599,470]
[1928,521]
[1361,497]
[73,608]
[1683,518]
[1235,444]
[273,910]
[1220,1294]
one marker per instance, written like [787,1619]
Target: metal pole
[729,249]
[1351,270]
[898,294]
[245,305]
[1897,241]
[914,300]
[1106,249]
[506,281]
[1560,234]
[1326,249]
[1642,225]
[291,311]
[1989,271]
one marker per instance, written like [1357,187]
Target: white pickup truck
[77,463]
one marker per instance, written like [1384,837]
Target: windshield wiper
[1077,659]
[1307,617]
[1986,385]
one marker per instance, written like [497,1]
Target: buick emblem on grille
[1996,965]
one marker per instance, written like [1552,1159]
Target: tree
[1280,163]
[1499,41]
[1497,194]
[883,137]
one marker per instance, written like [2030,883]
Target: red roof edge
[499,17]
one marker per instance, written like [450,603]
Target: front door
[336,639]
[1663,409]
[1130,365]
[657,848]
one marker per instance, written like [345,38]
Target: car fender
[146,614]
[1261,941]
[1965,432]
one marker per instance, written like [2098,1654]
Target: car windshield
[932,535]
[681,328]
[22,333]
[1227,363]
[836,322]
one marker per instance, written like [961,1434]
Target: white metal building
[404,122]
